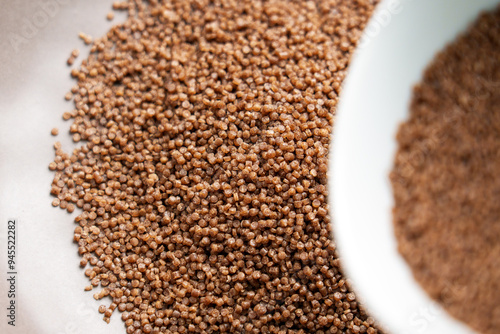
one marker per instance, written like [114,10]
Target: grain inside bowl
[446,178]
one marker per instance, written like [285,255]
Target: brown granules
[202,175]
[87,39]
[446,178]
[74,54]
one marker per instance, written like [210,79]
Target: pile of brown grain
[446,178]
[202,176]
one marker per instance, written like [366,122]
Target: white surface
[375,100]
[33,80]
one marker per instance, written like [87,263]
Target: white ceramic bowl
[399,42]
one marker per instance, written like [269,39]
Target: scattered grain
[202,173]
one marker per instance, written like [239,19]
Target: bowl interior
[399,42]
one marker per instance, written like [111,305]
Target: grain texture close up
[201,175]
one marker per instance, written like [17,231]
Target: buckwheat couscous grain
[202,176]
[445,179]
